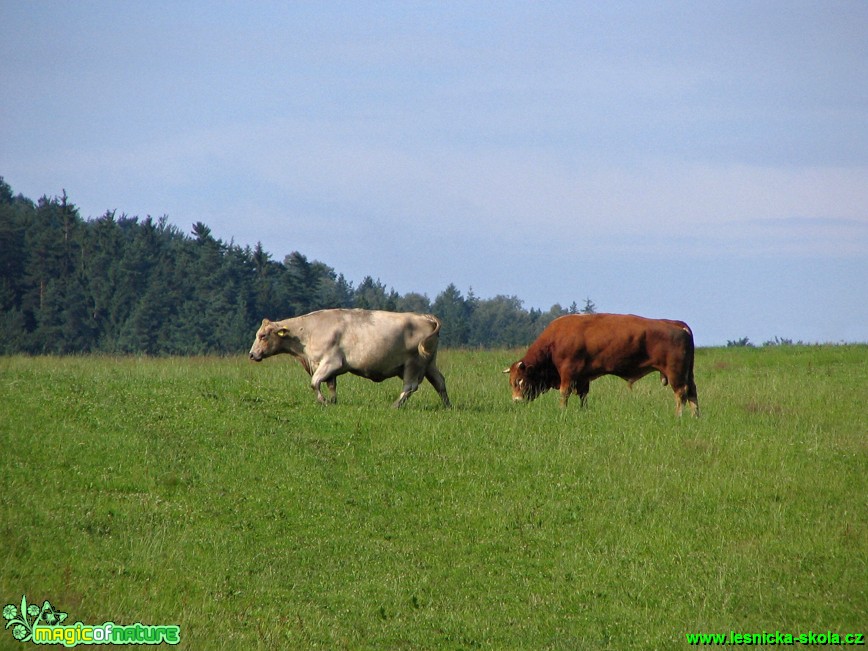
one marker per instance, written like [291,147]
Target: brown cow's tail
[428,346]
[691,351]
[692,397]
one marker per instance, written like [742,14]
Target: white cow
[370,343]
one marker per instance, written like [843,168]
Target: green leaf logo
[23,621]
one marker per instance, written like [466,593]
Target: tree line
[128,285]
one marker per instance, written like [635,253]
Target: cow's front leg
[566,389]
[326,372]
[320,398]
[579,386]
[583,387]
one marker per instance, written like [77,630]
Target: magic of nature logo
[45,625]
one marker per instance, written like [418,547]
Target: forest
[118,284]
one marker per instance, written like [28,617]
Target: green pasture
[214,493]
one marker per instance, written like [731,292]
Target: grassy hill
[215,494]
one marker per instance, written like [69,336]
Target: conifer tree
[124,284]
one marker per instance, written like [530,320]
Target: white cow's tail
[428,346]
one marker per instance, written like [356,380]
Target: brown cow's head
[520,382]
[528,382]
[270,340]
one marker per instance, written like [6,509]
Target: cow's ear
[282,333]
[521,366]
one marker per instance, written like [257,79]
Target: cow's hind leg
[435,377]
[680,399]
[692,398]
[412,377]
[409,389]
[686,395]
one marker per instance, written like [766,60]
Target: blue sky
[706,161]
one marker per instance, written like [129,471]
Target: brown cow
[370,343]
[578,348]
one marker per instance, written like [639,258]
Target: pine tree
[451,308]
[121,284]
[13,216]
[372,295]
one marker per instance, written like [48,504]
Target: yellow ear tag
[282,332]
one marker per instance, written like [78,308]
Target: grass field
[215,494]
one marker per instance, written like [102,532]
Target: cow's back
[375,337]
[611,343]
[591,334]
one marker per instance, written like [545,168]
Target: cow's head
[520,383]
[271,338]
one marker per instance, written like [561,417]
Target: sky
[697,160]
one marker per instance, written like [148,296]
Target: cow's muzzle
[255,357]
